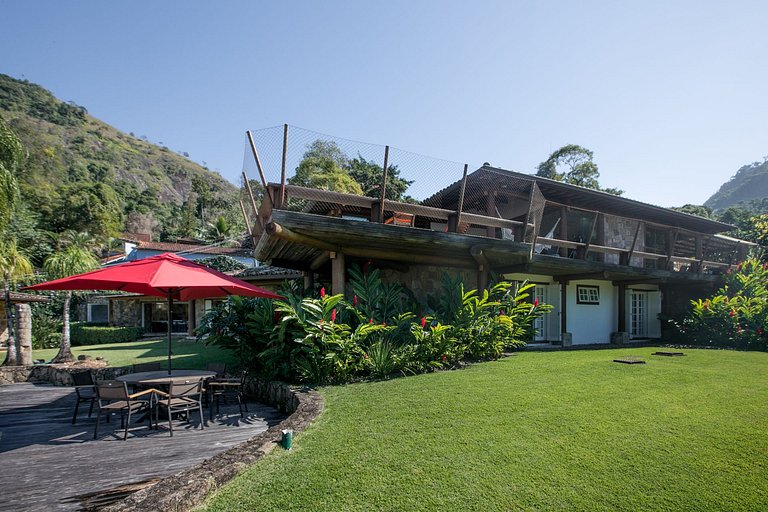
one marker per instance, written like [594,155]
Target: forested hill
[748,188]
[82,174]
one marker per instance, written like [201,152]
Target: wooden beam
[460,206]
[528,215]
[247,222]
[275,229]
[586,275]
[477,254]
[384,184]
[256,157]
[522,268]
[248,189]
[671,241]
[639,280]
[309,280]
[563,230]
[490,211]
[281,201]
[589,236]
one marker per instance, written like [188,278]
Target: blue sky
[671,96]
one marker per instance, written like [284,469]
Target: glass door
[639,314]
[540,324]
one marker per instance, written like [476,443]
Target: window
[587,295]
[98,313]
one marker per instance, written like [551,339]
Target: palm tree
[72,259]
[14,266]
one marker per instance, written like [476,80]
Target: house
[151,312]
[609,265]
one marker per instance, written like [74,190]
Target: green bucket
[287,440]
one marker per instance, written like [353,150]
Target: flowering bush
[737,314]
[326,339]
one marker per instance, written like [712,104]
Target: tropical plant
[737,314]
[69,260]
[14,266]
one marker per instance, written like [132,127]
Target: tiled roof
[198,249]
[269,271]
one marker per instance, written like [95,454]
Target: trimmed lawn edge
[189,488]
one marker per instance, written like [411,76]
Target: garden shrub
[736,315]
[90,334]
[381,331]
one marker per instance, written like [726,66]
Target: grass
[539,431]
[188,354]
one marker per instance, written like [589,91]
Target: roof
[191,248]
[579,197]
[268,271]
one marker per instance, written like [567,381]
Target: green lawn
[538,431]
[189,354]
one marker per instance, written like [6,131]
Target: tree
[324,174]
[369,174]
[72,259]
[695,209]
[573,164]
[11,154]
[220,230]
[14,266]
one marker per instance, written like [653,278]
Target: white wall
[590,323]
[552,318]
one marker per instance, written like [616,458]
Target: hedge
[90,334]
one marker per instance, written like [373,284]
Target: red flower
[732,313]
[322,292]
[384,324]
[759,331]
[502,313]
[371,321]
[535,302]
[333,315]
[444,358]
[354,300]
[423,322]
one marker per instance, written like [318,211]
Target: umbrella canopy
[157,276]
[166,275]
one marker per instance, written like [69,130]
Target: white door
[638,314]
[540,324]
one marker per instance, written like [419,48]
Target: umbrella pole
[170,326]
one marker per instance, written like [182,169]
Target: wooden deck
[47,462]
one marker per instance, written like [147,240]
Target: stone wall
[620,232]
[424,281]
[56,374]
[126,313]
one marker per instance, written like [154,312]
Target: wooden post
[461,198]
[589,236]
[671,241]
[258,160]
[245,218]
[699,254]
[253,200]
[24,333]
[528,216]
[622,308]
[384,184]
[490,210]
[338,277]
[281,201]
[634,243]
[564,229]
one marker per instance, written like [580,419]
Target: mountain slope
[747,188]
[81,173]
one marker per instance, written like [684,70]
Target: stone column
[24,333]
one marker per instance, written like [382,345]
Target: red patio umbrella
[166,275]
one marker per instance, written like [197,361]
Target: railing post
[258,160]
[460,206]
[384,184]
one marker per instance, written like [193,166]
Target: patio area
[49,464]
